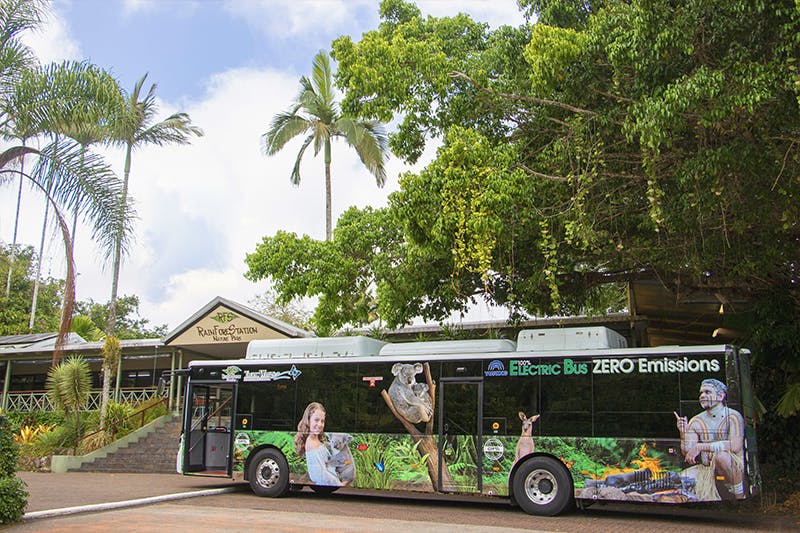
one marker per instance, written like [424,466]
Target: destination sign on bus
[606,365]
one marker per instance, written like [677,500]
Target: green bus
[558,417]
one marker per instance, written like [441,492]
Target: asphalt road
[350,510]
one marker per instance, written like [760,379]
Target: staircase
[151,449]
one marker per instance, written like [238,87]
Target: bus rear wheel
[269,473]
[542,486]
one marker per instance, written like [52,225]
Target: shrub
[13,497]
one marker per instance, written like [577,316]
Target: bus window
[373,415]
[504,398]
[566,404]
[635,405]
[272,405]
[335,387]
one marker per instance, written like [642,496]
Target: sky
[231,65]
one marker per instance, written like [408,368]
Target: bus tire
[542,486]
[268,473]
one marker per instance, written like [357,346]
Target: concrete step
[152,451]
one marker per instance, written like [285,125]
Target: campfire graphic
[645,476]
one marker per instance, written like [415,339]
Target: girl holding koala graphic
[310,442]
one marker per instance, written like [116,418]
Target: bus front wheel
[269,473]
[542,486]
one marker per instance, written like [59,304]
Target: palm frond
[175,129]
[81,181]
[295,177]
[321,78]
[283,128]
[370,142]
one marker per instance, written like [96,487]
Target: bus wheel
[542,486]
[269,473]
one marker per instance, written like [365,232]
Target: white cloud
[289,18]
[494,12]
[52,41]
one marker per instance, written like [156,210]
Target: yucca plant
[68,387]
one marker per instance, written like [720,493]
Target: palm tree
[133,129]
[31,104]
[316,113]
[15,18]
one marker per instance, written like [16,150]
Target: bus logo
[496,368]
[271,375]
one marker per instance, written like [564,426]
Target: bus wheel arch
[267,471]
[542,485]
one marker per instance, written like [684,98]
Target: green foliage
[68,387]
[15,310]
[9,450]
[290,312]
[69,384]
[19,419]
[651,138]
[83,326]
[13,497]
[129,324]
[377,452]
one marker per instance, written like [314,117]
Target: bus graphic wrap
[669,426]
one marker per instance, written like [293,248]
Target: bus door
[208,430]
[460,434]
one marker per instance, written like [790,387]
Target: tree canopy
[605,142]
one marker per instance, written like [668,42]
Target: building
[220,329]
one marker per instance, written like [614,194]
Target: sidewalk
[48,491]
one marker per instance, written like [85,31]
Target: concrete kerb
[94,508]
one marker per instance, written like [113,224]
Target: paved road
[346,511]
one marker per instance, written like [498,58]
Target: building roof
[222,328]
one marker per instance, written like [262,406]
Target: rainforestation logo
[223,317]
[231,373]
[495,369]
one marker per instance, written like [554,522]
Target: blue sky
[232,65]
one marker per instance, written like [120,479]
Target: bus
[555,419]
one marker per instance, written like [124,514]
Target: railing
[141,415]
[38,401]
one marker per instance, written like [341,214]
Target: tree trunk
[105,393]
[328,207]
[112,303]
[12,257]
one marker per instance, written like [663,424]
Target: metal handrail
[114,427]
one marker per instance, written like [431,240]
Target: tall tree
[134,128]
[67,181]
[316,114]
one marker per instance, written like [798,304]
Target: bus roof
[312,357]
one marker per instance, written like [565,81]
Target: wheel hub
[541,487]
[268,473]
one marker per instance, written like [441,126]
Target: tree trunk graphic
[427,442]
